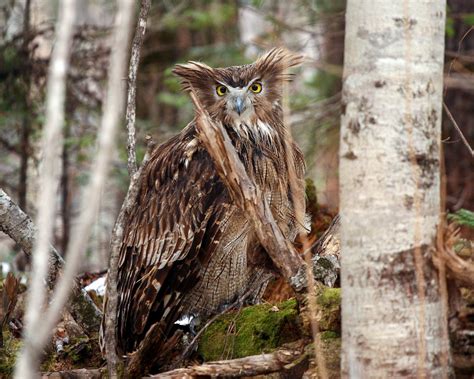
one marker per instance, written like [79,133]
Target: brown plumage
[187,249]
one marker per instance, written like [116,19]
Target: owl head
[241,94]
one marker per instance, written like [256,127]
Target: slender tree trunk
[65,209]
[392,313]
[25,123]
[24,148]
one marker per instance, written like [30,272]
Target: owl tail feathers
[153,350]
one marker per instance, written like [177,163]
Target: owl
[187,249]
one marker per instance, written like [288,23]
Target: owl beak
[239,105]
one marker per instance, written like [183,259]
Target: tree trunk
[393,316]
[25,124]
[65,206]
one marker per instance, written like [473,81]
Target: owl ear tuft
[277,61]
[194,75]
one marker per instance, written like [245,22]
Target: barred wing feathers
[171,233]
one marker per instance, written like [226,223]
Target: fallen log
[253,365]
[82,373]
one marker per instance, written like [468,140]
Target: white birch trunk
[392,313]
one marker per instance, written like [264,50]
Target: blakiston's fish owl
[187,248]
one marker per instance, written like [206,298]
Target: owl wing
[172,232]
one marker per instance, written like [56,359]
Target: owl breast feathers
[187,248]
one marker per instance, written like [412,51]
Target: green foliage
[468,19]
[206,16]
[463,217]
[175,100]
[326,6]
[328,335]
[449,28]
[320,86]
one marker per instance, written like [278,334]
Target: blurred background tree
[459,97]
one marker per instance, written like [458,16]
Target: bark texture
[130,115]
[393,322]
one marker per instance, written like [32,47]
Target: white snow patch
[98,286]
[5,268]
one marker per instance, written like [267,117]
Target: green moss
[328,334]
[8,353]
[329,302]
[253,330]
[329,297]
[331,349]
[311,193]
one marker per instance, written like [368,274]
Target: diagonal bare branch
[247,195]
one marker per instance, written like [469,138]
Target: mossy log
[264,328]
[250,331]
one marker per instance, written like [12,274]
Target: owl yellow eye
[221,90]
[256,87]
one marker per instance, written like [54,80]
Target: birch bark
[392,313]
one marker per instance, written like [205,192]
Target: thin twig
[297,189]
[455,59]
[132,84]
[456,126]
[49,179]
